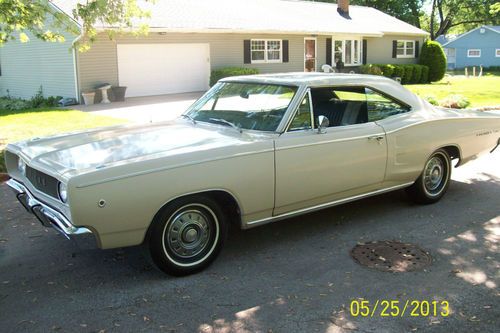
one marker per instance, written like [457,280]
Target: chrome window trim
[294,113]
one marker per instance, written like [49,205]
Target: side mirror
[323,123]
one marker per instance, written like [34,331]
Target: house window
[347,50]
[266,50]
[497,53]
[405,49]
[473,53]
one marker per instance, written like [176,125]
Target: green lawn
[484,91]
[20,125]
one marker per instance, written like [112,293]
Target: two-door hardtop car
[252,150]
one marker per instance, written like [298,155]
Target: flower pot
[88,98]
[119,93]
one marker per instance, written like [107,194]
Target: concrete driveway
[145,109]
[292,276]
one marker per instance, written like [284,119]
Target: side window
[345,106]
[341,105]
[381,107]
[302,119]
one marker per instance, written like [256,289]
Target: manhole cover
[391,256]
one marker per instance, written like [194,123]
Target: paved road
[292,276]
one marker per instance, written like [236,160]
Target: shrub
[370,69]
[455,102]
[399,71]
[13,104]
[425,75]
[387,70]
[492,69]
[218,74]
[433,56]
[407,74]
[417,74]
[37,101]
[432,99]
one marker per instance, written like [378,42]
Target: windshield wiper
[224,121]
[189,117]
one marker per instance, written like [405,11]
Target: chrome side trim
[267,220]
[59,221]
[331,141]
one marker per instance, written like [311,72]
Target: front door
[312,168]
[310,55]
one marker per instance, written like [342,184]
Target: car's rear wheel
[432,184]
[187,235]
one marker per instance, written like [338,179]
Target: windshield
[251,106]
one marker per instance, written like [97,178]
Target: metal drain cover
[390,256]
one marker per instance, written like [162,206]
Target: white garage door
[155,69]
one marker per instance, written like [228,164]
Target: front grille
[42,182]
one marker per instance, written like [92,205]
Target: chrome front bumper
[47,215]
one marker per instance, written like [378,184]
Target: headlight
[63,192]
[21,165]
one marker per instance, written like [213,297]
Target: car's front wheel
[434,180]
[187,235]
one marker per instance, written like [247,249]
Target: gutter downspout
[75,68]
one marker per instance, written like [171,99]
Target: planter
[4,177]
[119,93]
[88,98]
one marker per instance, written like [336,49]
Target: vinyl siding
[99,64]
[380,50]
[28,66]
[487,42]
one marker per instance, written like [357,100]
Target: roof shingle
[265,16]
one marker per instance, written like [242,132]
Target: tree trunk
[433,12]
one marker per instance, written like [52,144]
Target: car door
[314,168]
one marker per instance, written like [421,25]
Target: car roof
[381,83]
[300,78]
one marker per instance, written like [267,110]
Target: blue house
[480,46]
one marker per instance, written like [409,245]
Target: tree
[408,11]
[461,15]
[17,17]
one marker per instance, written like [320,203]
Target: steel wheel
[187,235]
[434,180]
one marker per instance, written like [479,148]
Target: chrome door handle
[379,138]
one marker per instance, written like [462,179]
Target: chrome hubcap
[188,233]
[433,175]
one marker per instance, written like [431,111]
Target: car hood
[96,149]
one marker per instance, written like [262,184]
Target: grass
[481,91]
[20,125]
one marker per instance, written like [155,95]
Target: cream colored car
[252,150]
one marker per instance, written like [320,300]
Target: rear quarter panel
[414,136]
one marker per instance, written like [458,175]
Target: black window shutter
[394,48]
[285,50]
[365,51]
[417,49]
[246,52]
[329,51]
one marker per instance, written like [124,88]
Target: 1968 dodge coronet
[252,150]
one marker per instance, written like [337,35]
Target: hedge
[409,74]
[417,74]
[221,73]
